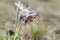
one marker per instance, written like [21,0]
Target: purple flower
[30,18]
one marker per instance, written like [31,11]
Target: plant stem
[33,32]
[17,25]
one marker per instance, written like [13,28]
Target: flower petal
[25,20]
[34,15]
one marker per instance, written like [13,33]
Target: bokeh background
[49,14]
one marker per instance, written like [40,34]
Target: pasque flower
[24,14]
[30,17]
